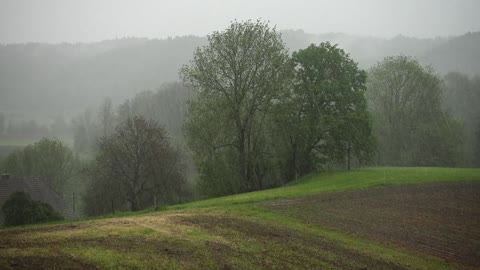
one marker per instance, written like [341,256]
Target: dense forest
[244,109]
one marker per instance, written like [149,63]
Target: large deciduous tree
[134,165]
[411,127]
[237,78]
[325,117]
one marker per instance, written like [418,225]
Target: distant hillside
[46,79]
[460,54]
[42,80]
[367,51]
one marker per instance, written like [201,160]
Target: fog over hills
[40,81]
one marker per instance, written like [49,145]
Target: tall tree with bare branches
[136,164]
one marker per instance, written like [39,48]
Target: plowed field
[440,219]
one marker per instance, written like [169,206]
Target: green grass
[175,238]
[341,181]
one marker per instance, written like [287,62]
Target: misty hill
[457,54]
[41,81]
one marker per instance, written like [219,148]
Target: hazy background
[60,59]
[56,21]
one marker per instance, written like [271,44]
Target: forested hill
[44,80]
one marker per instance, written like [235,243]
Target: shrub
[20,209]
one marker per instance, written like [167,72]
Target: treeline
[16,127]
[166,106]
[259,117]
[158,172]
[263,117]
[461,100]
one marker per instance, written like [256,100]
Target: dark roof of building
[38,190]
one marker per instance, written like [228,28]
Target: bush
[20,209]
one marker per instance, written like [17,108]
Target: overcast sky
[93,20]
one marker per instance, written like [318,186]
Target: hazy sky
[92,20]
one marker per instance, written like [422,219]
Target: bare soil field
[177,241]
[275,246]
[440,219]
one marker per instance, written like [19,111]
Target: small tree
[20,209]
[49,159]
[135,164]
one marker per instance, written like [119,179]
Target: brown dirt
[275,242]
[440,219]
[39,262]
[230,243]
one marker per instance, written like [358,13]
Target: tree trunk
[242,158]
[349,153]
[135,203]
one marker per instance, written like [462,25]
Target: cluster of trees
[261,117]
[461,100]
[55,163]
[17,127]
[49,159]
[166,106]
[133,167]
[161,167]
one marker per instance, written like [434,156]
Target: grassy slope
[341,181]
[91,241]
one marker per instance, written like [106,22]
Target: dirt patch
[440,219]
[136,237]
[278,247]
[39,262]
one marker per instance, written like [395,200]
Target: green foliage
[461,100]
[324,118]
[20,209]
[409,123]
[260,118]
[47,158]
[237,78]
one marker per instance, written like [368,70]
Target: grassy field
[335,220]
